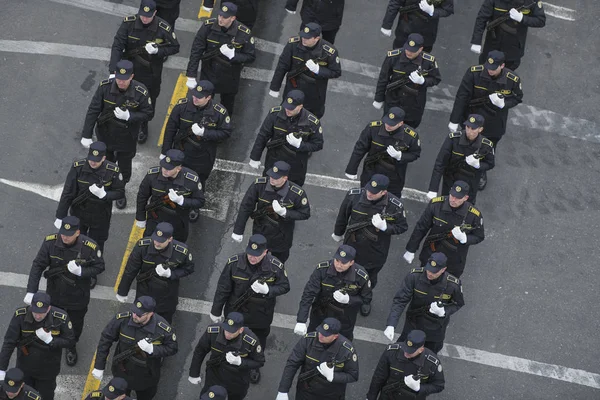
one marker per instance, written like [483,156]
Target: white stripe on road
[521,365]
[559,12]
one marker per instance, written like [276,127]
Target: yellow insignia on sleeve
[354,357]
[70,325]
[174,36]
[304,201]
[252,40]
[320,129]
[337,59]
[174,337]
[258,349]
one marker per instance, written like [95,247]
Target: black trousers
[124,160]
[330,35]
[146,394]
[373,272]
[281,256]
[169,14]
[168,315]
[262,334]
[97,232]
[45,386]
[77,319]
[228,101]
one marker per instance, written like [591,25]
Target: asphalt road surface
[529,329]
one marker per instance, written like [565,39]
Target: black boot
[365,310]
[194,215]
[482,180]
[121,203]
[93,282]
[71,356]
[254,376]
[143,134]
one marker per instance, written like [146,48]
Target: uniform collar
[281,192]
[152,27]
[464,141]
[77,246]
[462,210]
[235,344]
[150,327]
[231,31]
[384,133]
[348,275]
[114,89]
[417,61]
[167,253]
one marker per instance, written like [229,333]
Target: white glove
[98,373]
[175,198]
[161,156]
[111,76]
[336,237]
[472,161]
[379,222]
[293,140]
[27,298]
[342,298]
[378,105]
[516,15]
[74,268]
[99,192]
[273,93]
[162,271]
[437,310]
[86,142]
[254,164]
[198,130]
[233,360]
[195,381]
[260,288]
[289,12]
[497,100]
[140,224]
[191,83]
[476,48]
[426,7]
[151,48]
[300,329]
[237,238]
[326,371]
[146,346]
[282,396]
[431,195]
[57,223]
[417,78]
[121,299]
[412,383]
[227,51]
[215,319]
[453,127]
[389,333]
[124,115]
[409,257]
[395,154]
[386,32]
[459,235]
[208,10]
[44,336]
[278,208]
[351,176]
[312,66]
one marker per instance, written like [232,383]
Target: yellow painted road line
[179,92]
[91,383]
[202,13]
[135,235]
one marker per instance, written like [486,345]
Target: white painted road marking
[559,12]
[522,365]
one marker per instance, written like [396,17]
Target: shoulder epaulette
[130,18]
[79,163]
[249,339]
[294,39]
[355,191]
[51,237]
[432,359]
[348,346]
[182,101]
[232,259]
[487,142]
[375,123]
[220,108]
[311,334]
[191,176]
[90,244]
[244,29]
[210,21]
[328,49]
[417,270]
[393,53]
[428,57]
[142,90]
[438,199]
[410,132]
[213,329]
[164,326]
[477,68]
[512,77]
[154,170]
[123,315]
[453,279]
[21,311]
[181,249]
[145,242]
[104,82]
[112,167]
[97,393]
[165,26]
[296,189]
[323,264]
[59,315]
[275,109]
[394,346]
[313,119]
[262,179]
[396,201]
[277,263]
[475,211]
[32,395]
[456,134]
[363,274]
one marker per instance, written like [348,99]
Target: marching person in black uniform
[247,10]
[510,36]
[90,189]
[389,145]
[168,10]
[314,61]
[71,260]
[406,371]
[118,107]
[421,69]
[39,333]
[158,263]
[115,390]
[432,296]
[146,40]
[290,133]
[327,363]
[337,288]
[449,224]
[275,204]
[224,45]
[13,387]
[367,219]
[144,338]
[327,13]
[424,19]
[234,352]
[464,156]
[250,284]
[196,126]
[166,194]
